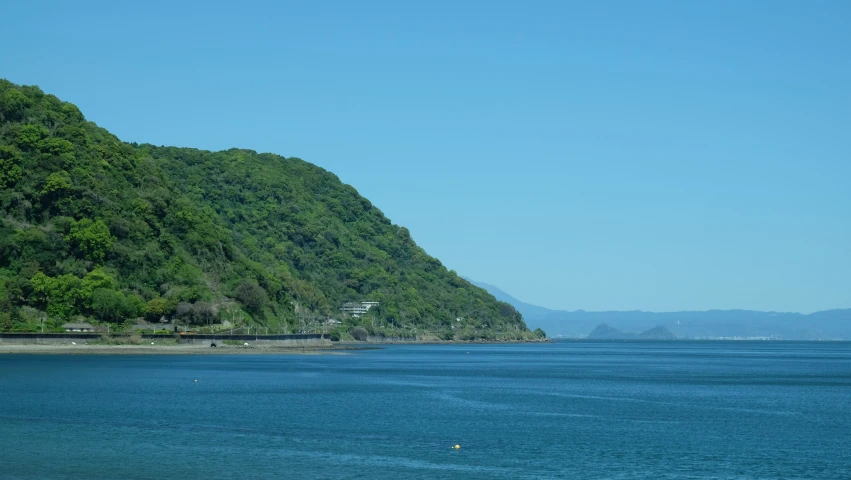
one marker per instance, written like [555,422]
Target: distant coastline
[832,324]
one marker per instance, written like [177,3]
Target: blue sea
[620,410]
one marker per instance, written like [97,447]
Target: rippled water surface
[565,410]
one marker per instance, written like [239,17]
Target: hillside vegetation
[97,229]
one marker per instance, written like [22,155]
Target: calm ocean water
[742,410]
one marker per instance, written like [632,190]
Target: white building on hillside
[356,309]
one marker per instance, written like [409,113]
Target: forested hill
[97,229]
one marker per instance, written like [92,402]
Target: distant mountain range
[711,324]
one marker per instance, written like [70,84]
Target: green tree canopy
[92,238]
[10,166]
[110,305]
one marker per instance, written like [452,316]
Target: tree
[94,280]
[135,306]
[252,296]
[184,311]
[61,295]
[10,166]
[92,238]
[360,334]
[197,313]
[12,104]
[58,147]
[110,305]
[30,135]
[57,184]
[157,308]
[203,312]
[6,322]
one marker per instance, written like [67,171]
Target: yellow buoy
[457,447]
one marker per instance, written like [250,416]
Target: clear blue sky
[595,155]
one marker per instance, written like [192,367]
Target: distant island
[709,325]
[605,332]
[99,234]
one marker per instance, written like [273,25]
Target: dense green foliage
[97,228]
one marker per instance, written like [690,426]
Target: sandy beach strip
[84,349]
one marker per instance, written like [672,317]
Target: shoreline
[88,349]
[342,348]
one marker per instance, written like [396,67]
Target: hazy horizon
[483,284]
